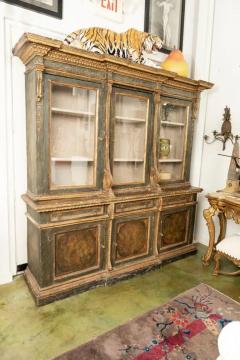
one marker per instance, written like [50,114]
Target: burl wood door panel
[79,250]
[131,238]
[175,228]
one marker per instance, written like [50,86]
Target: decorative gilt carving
[107,180]
[80,75]
[226,207]
[156,227]
[217,257]
[29,52]
[155,176]
[208,215]
[232,213]
[75,60]
[107,177]
[127,70]
[48,203]
[65,222]
[31,45]
[109,238]
[39,85]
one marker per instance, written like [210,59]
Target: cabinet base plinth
[57,291]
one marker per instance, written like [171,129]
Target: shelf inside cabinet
[171,123]
[71,159]
[129,119]
[129,160]
[170,160]
[72,112]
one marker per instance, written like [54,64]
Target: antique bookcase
[105,198]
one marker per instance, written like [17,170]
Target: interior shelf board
[70,159]
[71,112]
[129,119]
[128,160]
[172,123]
[170,160]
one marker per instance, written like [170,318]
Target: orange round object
[176,62]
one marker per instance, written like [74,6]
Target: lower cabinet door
[175,228]
[132,238]
[78,249]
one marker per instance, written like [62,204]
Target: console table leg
[208,215]
[217,263]
[223,226]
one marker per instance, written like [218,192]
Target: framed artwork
[49,7]
[166,19]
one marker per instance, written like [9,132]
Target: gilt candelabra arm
[226,131]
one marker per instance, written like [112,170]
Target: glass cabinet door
[129,138]
[172,142]
[73,128]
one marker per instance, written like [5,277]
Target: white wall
[205,43]
[222,52]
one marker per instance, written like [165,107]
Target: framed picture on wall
[49,7]
[166,19]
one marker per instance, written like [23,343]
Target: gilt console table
[225,206]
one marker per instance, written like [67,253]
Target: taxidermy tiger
[128,45]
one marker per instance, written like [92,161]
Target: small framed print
[166,19]
[48,7]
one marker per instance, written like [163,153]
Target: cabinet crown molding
[32,45]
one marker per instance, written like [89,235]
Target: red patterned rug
[186,328]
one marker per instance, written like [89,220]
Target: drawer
[178,199]
[135,205]
[75,214]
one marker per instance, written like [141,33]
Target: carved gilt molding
[39,75]
[31,45]
[107,177]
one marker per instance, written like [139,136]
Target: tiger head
[152,43]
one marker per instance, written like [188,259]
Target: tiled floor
[31,333]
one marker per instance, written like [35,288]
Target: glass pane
[172,141]
[130,131]
[73,140]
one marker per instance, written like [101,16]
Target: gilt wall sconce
[226,130]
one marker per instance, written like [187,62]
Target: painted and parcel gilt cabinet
[109,150]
